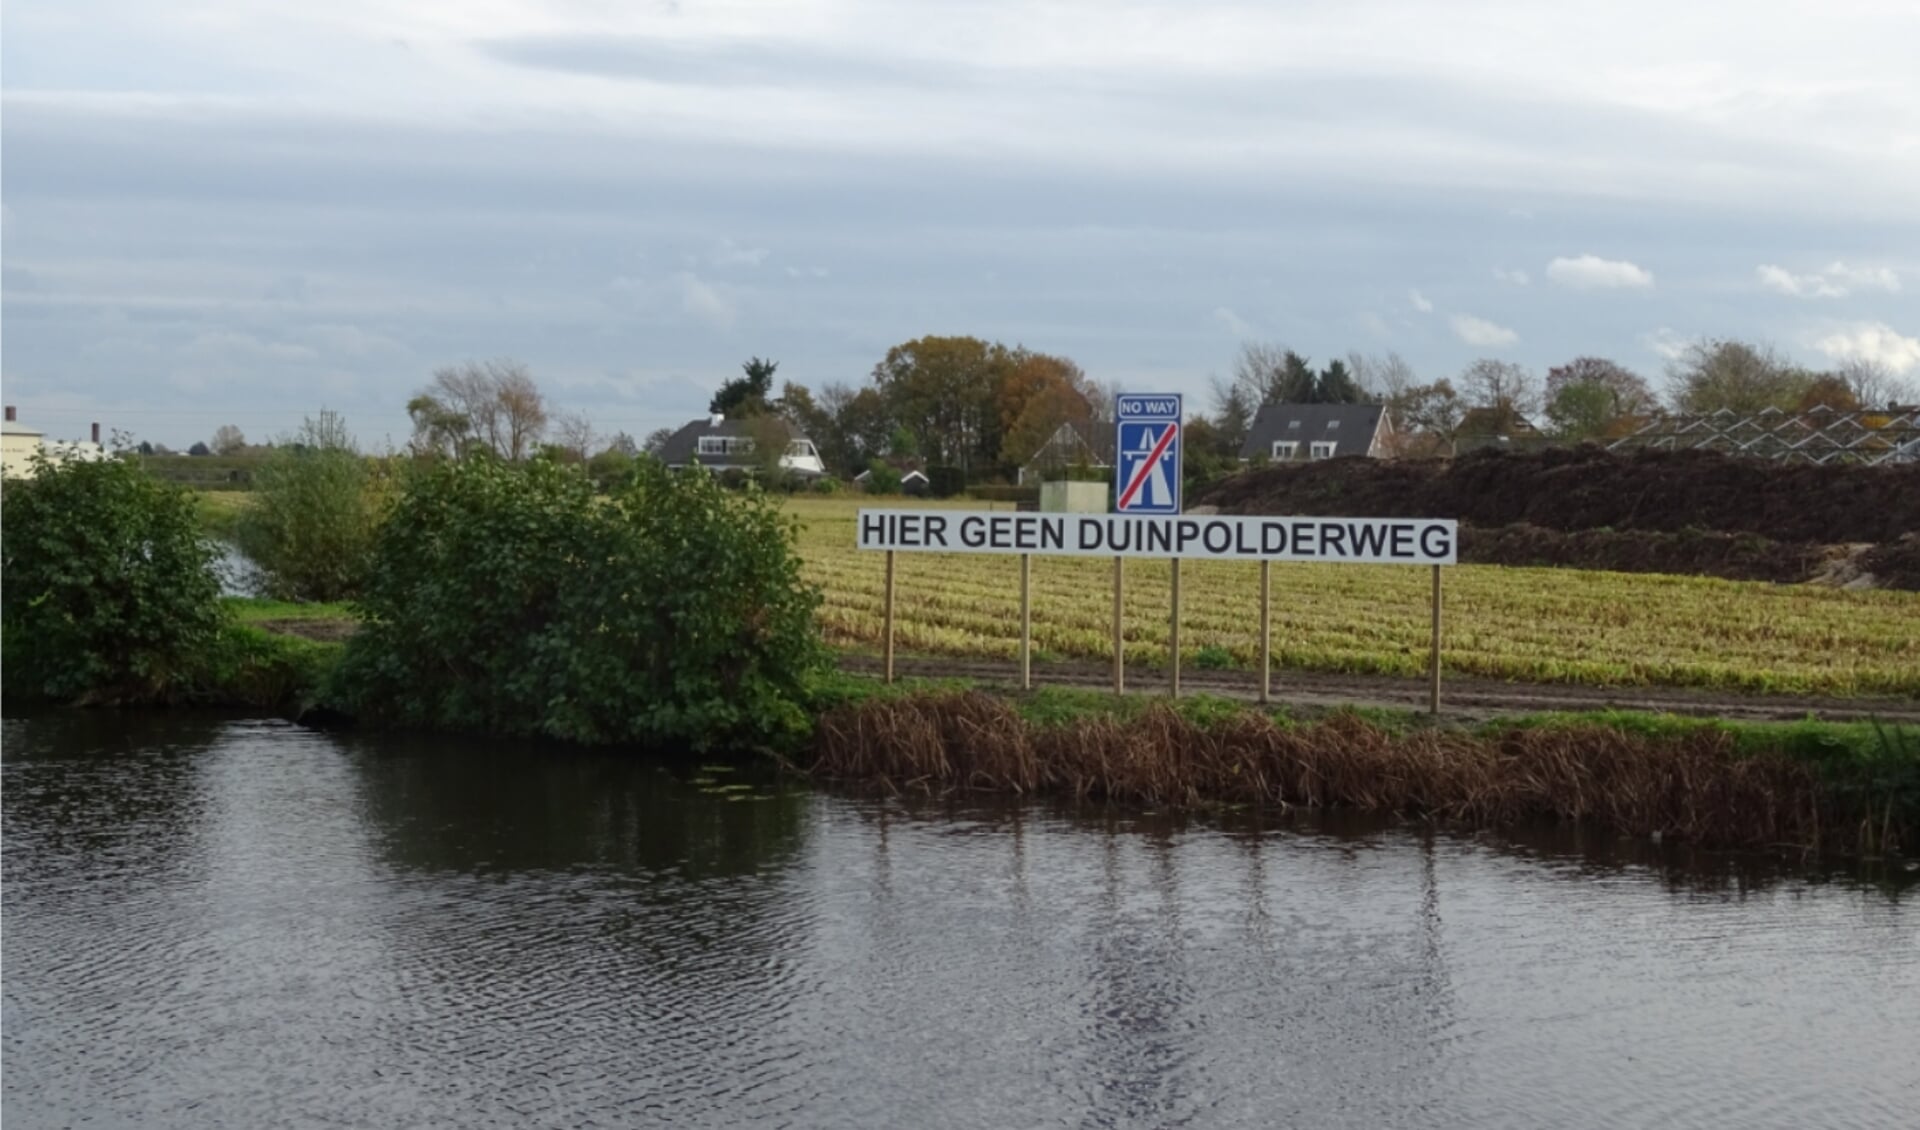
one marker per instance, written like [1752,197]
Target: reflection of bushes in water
[1678,865]
[121,793]
[442,805]
[1690,782]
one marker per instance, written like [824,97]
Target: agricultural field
[1534,625]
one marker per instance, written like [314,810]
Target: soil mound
[1737,557]
[1587,488]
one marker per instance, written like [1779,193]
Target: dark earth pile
[1738,557]
[1670,512]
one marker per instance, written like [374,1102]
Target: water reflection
[214,922]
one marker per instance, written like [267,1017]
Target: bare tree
[1506,390]
[656,441]
[1384,378]
[1875,386]
[494,404]
[227,440]
[573,433]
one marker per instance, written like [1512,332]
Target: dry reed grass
[1694,787]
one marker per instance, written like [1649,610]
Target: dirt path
[1463,698]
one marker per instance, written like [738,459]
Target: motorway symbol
[1147,454]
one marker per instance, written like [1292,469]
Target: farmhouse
[1074,444]
[19,443]
[720,444]
[1287,433]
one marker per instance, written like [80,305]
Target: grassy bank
[1851,788]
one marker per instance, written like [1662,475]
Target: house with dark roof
[720,444]
[1285,433]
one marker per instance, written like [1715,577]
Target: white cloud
[1836,280]
[1872,341]
[731,254]
[1420,302]
[1479,331]
[704,301]
[1665,342]
[1590,272]
[1233,322]
[1515,277]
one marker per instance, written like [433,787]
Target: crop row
[1549,625]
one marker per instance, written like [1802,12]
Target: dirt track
[1462,698]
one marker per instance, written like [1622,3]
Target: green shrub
[316,505]
[110,592]
[504,599]
[1213,658]
[882,478]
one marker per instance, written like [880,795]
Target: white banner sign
[1389,541]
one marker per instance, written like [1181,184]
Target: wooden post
[887,644]
[1173,649]
[1026,621]
[1119,629]
[1433,693]
[1266,631]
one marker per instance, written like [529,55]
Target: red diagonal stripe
[1146,468]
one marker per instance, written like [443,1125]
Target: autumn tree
[942,389]
[1038,394]
[1734,376]
[1830,391]
[1435,409]
[803,414]
[863,425]
[491,405]
[1592,397]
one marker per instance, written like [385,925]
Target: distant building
[1289,433]
[913,481]
[720,444]
[1072,444]
[19,443]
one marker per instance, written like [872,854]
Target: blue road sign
[1146,462]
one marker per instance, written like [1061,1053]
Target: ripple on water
[213,923]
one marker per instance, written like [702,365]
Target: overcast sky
[238,212]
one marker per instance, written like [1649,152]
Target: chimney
[718,418]
[13,414]
[96,433]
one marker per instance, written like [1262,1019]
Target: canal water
[231,923]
